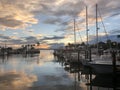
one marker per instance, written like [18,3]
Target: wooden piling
[90,54]
[78,56]
[114,69]
[114,61]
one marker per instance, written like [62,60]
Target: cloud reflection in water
[16,81]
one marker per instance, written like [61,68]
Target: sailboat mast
[74,32]
[87,26]
[97,27]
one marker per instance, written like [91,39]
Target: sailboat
[104,63]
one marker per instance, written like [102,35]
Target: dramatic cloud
[19,14]
[23,14]
[15,41]
[75,8]
[12,40]
[15,14]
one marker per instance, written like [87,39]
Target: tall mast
[86,27]
[97,27]
[86,32]
[74,33]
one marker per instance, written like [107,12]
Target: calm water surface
[40,72]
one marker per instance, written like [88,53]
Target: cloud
[53,20]
[56,45]
[106,7]
[115,31]
[71,9]
[31,38]
[53,38]
[15,14]
[20,14]
[15,33]
[17,41]
[3,37]
[14,40]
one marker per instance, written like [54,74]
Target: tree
[114,44]
[102,45]
[108,43]
[38,43]
[82,44]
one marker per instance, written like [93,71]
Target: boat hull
[102,68]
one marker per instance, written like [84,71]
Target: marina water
[45,72]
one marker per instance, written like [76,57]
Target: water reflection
[45,72]
[88,79]
[38,72]
[13,74]
[16,81]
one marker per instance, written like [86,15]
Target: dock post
[90,54]
[86,54]
[114,61]
[78,56]
[114,68]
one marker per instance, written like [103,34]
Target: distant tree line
[101,45]
[10,50]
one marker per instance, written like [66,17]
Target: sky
[51,22]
